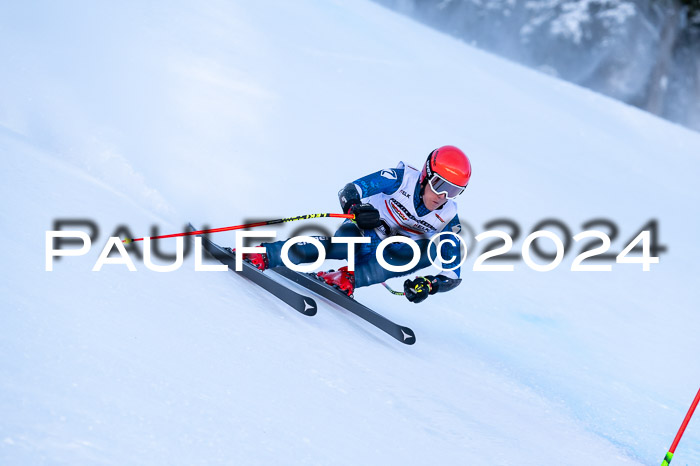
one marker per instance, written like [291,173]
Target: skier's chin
[435,205]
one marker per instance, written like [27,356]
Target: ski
[301,303]
[317,285]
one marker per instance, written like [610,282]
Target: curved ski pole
[394,292]
[240,227]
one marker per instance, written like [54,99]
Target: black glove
[366,216]
[418,289]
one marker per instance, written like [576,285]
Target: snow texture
[157,113]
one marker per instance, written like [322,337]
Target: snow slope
[155,115]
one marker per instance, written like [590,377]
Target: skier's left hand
[418,289]
[366,216]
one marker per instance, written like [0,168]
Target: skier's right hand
[418,289]
[366,216]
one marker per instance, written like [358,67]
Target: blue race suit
[390,191]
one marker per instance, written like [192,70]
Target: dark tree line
[643,52]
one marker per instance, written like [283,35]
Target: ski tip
[407,336]
[310,307]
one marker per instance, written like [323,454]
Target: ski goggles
[440,186]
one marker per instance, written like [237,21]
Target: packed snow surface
[155,114]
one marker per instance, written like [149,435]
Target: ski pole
[397,293]
[672,450]
[240,227]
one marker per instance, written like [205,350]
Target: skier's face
[431,200]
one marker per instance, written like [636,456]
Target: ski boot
[342,280]
[258,260]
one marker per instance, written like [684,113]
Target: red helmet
[451,165]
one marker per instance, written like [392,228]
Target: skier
[400,201]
